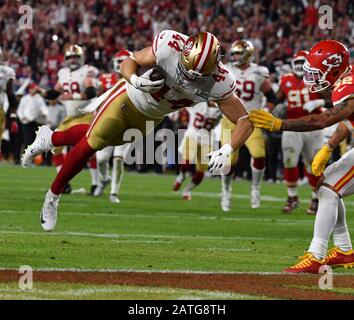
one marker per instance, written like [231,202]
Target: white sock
[181,176]
[314,195]
[292,191]
[226,183]
[257,176]
[103,169]
[94,176]
[326,219]
[189,187]
[341,236]
[117,175]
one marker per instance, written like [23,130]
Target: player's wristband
[329,147]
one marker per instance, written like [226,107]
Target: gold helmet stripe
[206,49]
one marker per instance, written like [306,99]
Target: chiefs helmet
[74,57]
[118,58]
[297,63]
[327,61]
[199,57]
[241,52]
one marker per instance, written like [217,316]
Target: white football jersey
[201,116]
[73,82]
[177,93]
[6,73]
[202,120]
[249,83]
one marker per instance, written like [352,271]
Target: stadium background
[164,234]
[277,29]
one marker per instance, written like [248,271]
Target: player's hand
[218,158]
[265,120]
[144,83]
[320,160]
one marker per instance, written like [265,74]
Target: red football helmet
[327,61]
[297,63]
[118,58]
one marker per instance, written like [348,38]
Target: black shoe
[92,190]
[291,204]
[312,209]
[67,188]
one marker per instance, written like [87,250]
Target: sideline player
[7,78]
[107,81]
[196,145]
[252,84]
[193,73]
[76,86]
[299,100]
[327,67]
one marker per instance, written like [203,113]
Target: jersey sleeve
[225,84]
[167,41]
[344,91]
[263,72]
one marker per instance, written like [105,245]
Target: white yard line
[201,272]
[118,235]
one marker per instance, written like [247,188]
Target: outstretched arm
[265,120]
[235,111]
[319,121]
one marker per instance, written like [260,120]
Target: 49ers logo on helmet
[334,60]
[188,47]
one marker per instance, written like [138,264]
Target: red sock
[291,174]
[258,163]
[70,136]
[74,162]
[93,162]
[58,159]
[313,180]
[198,177]
[184,166]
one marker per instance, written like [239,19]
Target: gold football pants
[255,143]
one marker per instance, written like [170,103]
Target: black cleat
[67,189]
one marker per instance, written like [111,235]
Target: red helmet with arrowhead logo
[327,61]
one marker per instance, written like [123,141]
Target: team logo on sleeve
[334,60]
[188,47]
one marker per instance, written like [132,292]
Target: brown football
[157,74]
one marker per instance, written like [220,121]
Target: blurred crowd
[277,28]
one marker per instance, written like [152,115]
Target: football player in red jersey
[327,67]
[107,81]
[299,99]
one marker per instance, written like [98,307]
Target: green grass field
[152,229]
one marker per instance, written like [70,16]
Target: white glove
[144,83]
[218,158]
[314,104]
